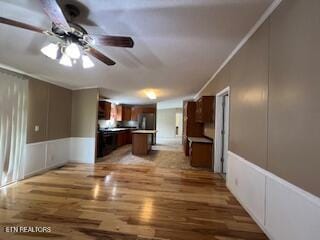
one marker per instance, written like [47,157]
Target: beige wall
[59,117]
[274,95]
[84,112]
[294,102]
[248,102]
[49,107]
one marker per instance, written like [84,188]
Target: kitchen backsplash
[127,124]
[107,123]
[113,123]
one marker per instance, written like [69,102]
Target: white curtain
[13,125]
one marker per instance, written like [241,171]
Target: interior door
[225,132]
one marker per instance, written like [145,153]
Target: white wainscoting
[42,156]
[82,150]
[283,211]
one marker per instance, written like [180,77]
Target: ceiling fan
[73,39]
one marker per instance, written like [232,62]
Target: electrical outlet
[36,128]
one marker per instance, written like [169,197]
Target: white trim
[217,135]
[43,156]
[252,215]
[281,209]
[49,141]
[84,88]
[255,27]
[9,185]
[223,91]
[312,198]
[82,150]
[43,170]
[15,70]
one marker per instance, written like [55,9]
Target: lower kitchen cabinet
[107,141]
[200,153]
[124,137]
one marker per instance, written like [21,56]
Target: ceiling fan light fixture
[65,60]
[50,50]
[86,62]
[73,51]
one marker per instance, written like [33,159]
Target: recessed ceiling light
[151,95]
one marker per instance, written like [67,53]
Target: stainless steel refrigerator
[147,121]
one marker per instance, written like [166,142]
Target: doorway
[222,131]
[179,124]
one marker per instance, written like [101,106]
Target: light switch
[36,128]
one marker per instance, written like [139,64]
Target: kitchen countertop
[116,129]
[200,140]
[145,131]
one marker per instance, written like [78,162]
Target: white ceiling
[179,44]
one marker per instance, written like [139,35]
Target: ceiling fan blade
[21,25]
[95,53]
[115,41]
[54,12]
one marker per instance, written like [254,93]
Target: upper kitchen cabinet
[104,110]
[205,109]
[191,128]
[123,113]
[136,110]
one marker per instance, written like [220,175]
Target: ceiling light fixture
[151,95]
[72,50]
[50,50]
[65,60]
[86,62]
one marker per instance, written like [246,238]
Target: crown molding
[255,27]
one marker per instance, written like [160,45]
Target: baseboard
[41,171]
[282,210]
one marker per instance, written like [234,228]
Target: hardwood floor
[114,201]
[156,158]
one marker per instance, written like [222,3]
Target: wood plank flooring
[114,201]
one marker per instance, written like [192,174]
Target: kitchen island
[142,141]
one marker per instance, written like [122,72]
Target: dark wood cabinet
[200,154]
[121,138]
[127,113]
[205,108]
[113,114]
[136,110]
[129,137]
[119,113]
[104,110]
[141,143]
[124,137]
[191,128]
[123,113]
[148,110]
